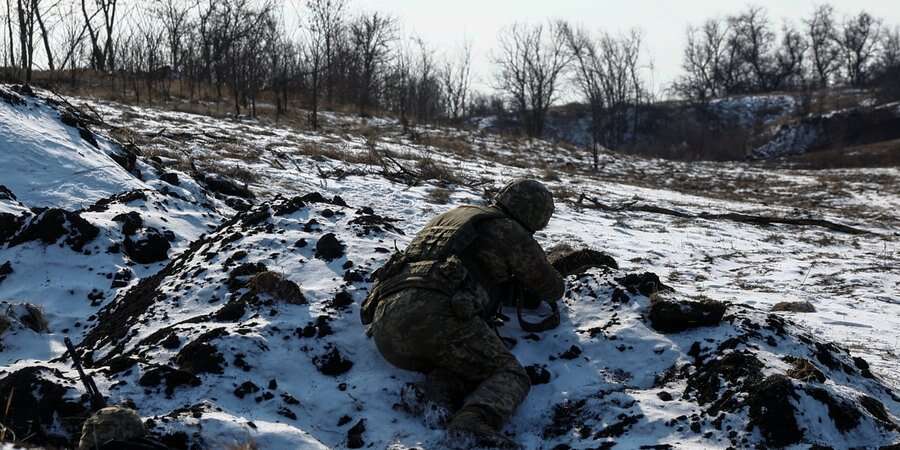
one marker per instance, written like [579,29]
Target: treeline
[746,54]
[318,53]
[311,54]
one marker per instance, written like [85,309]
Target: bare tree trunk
[12,49]
[44,35]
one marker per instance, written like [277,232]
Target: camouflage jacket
[469,248]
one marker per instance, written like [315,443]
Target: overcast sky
[444,23]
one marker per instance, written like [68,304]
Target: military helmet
[529,202]
[113,423]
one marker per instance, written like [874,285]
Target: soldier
[430,306]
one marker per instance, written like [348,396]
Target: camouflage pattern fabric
[422,330]
[527,201]
[426,327]
[113,423]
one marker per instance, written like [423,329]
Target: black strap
[548,323]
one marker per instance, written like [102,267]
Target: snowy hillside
[214,285]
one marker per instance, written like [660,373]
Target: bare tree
[753,40]
[705,62]
[101,38]
[530,62]
[606,73]
[823,44]
[11,44]
[45,31]
[456,80]
[888,73]
[323,26]
[789,70]
[890,48]
[174,16]
[859,39]
[371,36]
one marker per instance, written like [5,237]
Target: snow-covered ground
[199,351]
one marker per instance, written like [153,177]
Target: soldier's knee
[515,369]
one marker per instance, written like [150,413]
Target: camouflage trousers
[419,330]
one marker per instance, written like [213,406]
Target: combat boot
[470,426]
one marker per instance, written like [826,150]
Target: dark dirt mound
[42,407]
[367,224]
[278,287]
[240,276]
[735,368]
[172,378]
[355,435]
[798,307]
[5,270]
[772,411]
[673,317]
[6,194]
[538,374]
[125,197]
[804,370]
[147,246]
[648,283]
[329,247]
[9,225]
[52,224]
[332,362]
[569,261]
[200,356]
[171,178]
[121,278]
[225,186]
[131,222]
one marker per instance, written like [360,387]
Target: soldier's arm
[529,264]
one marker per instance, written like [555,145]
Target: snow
[853,281]
[47,164]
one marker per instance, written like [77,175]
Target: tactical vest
[432,260]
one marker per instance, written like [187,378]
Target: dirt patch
[124,198]
[355,435]
[52,224]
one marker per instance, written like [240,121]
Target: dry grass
[454,144]
[431,170]
[321,151]
[439,196]
[880,154]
